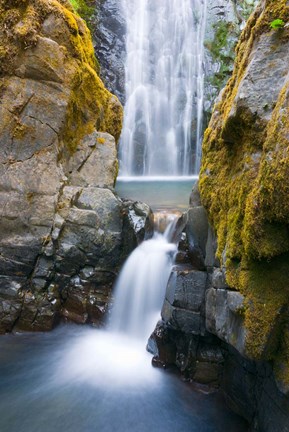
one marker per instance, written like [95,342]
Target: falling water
[141,286]
[164,87]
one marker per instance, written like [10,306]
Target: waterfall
[140,289]
[164,87]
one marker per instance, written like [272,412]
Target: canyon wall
[225,318]
[64,232]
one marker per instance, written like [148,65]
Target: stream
[79,379]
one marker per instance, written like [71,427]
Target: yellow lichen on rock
[244,177]
[89,104]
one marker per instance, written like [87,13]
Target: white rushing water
[141,286]
[116,357]
[164,87]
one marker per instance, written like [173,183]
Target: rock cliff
[224,22]
[244,183]
[225,317]
[109,29]
[62,226]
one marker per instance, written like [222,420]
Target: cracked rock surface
[61,226]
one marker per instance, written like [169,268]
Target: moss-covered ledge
[244,181]
[90,104]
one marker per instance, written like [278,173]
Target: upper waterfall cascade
[164,87]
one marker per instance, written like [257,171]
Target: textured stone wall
[244,183]
[63,231]
[109,31]
[244,191]
[203,331]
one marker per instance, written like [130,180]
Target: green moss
[265,287]
[244,187]
[90,104]
[21,130]
[222,32]
[222,50]
[84,8]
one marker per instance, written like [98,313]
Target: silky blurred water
[141,286]
[164,82]
[78,379]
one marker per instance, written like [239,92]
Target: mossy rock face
[57,122]
[46,41]
[244,177]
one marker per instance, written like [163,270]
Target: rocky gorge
[225,317]
[65,233]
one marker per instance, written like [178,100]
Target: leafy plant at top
[84,9]
[277,24]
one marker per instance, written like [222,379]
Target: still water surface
[160,193]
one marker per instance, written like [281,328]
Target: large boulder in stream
[61,229]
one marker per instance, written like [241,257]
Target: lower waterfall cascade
[75,377]
[141,286]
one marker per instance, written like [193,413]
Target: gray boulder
[184,301]
[225,318]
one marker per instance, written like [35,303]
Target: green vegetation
[277,23]
[85,9]
[222,49]
[90,104]
[246,7]
[244,187]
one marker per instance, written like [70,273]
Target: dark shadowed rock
[109,35]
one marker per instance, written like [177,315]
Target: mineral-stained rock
[109,35]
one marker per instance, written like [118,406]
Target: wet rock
[186,288]
[182,319]
[225,318]
[197,233]
[240,384]
[109,35]
[161,346]
[184,302]
[37,314]
[207,373]
[138,224]
[195,199]
[219,279]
